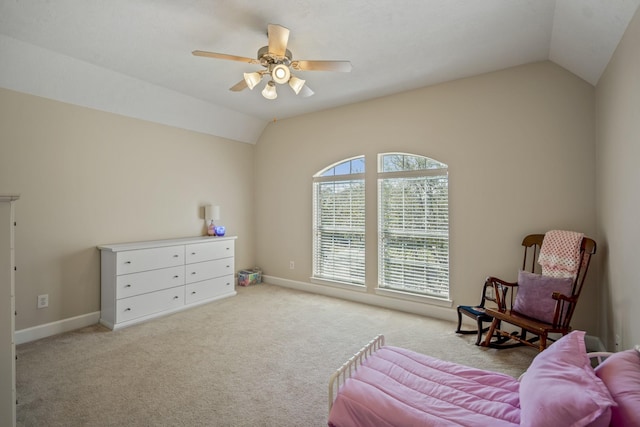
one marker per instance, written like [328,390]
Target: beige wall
[87,177]
[520,148]
[618,194]
[519,144]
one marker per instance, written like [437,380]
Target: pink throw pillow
[621,374]
[561,389]
[534,294]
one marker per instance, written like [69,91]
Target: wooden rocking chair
[495,295]
[562,304]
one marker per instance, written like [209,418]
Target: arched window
[413,224]
[339,222]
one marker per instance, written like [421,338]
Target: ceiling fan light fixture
[252,79]
[269,90]
[280,74]
[296,84]
[277,63]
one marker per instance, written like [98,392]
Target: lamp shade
[296,84]
[208,213]
[269,90]
[216,213]
[252,79]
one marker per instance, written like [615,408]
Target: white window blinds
[339,223]
[413,225]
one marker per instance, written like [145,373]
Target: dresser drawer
[149,259]
[128,285]
[143,280]
[208,270]
[142,305]
[208,289]
[199,252]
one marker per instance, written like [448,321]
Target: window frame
[428,168]
[348,270]
[438,268]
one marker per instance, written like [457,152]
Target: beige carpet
[262,358]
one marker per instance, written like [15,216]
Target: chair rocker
[478,312]
[557,320]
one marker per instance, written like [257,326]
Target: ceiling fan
[278,63]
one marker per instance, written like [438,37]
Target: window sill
[426,299]
[341,285]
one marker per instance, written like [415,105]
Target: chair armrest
[496,281]
[500,288]
[558,296]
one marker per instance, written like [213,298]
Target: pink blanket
[560,253]
[398,387]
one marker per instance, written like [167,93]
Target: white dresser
[7,312]
[143,280]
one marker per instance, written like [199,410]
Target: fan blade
[305,92]
[241,85]
[343,66]
[278,39]
[225,56]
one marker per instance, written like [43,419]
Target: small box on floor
[248,277]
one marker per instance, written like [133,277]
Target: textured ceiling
[394,45]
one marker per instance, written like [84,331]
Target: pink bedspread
[398,387]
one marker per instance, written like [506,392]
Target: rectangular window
[413,230]
[339,230]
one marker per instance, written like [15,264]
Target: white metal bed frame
[340,376]
[349,368]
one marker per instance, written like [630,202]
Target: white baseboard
[54,328]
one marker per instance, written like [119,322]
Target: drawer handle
[127,309]
[228,266]
[176,276]
[193,292]
[176,297]
[228,283]
[176,256]
[193,272]
[127,262]
[193,253]
[127,286]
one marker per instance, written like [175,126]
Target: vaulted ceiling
[134,57]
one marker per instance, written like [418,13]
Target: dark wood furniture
[564,307]
[497,299]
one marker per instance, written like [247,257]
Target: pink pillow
[561,389]
[534,294]
[621,374]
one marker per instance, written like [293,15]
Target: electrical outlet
[43,301]
[292,265]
